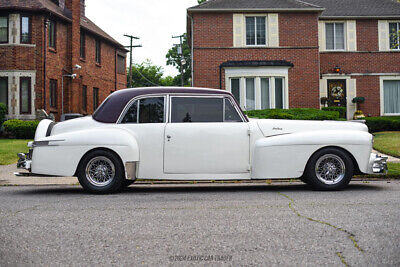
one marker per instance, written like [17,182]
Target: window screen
[278,93]
[196,109]
[25,95]
[250,94]
[334,36]
[394,32]
[151,110]
[255,30]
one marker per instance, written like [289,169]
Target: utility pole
[180,53]
[131,46]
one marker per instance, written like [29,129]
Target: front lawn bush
[3,113]
[294,114]
[20,129]
[341,110]
[380,124]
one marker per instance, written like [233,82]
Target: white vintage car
[196,134]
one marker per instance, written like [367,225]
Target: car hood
[270,127]
[75,125]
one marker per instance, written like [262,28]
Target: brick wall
[213,41]
[59,62]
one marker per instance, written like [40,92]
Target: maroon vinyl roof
[111,108]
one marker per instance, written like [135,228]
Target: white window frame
[255,28]
[382,100]
[334,35]
[398,40]
[258,73]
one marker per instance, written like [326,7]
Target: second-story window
[3,29]
[83,46]
[255,31]
[52,34]
[394,35]
[98,52]
[26,32]
[334,36]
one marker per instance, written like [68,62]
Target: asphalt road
[232,224]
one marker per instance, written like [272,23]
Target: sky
[154,21]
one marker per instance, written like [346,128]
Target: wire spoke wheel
[100,171]
[330,169]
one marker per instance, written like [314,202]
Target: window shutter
[351,93]
[273,30]
[321,35]
[383,29]
[351,35]
[238,30]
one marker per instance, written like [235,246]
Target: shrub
[380,124]
[341,110]
[294,114]
[20,129]
[3,113]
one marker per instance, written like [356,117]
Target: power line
[146,78]
[131,46]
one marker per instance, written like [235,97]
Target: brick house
[291,53]
[41,44]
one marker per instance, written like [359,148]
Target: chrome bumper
[25,160]
[378,164]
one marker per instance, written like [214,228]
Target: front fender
[286,156]
[60,154]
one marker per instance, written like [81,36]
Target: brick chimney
[83,8]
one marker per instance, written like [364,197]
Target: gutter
[307,9]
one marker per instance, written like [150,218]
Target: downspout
[191,48]
[115,58]
[46,21]
[220,76]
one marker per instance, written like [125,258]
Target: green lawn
[388,143]
[394,169]
[9,148]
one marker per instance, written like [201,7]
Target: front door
[205,135]
[337,93]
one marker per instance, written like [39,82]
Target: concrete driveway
[232,224]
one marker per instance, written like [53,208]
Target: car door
[145,118]
[205,135]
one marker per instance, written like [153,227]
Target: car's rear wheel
[329,169]
[101,171]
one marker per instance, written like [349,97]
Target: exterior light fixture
[336,69]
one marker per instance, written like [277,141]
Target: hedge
[294,114]
[380,124]
[3,113]
[341,110]
[20,129]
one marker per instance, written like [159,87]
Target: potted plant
[358,114]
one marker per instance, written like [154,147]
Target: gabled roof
[254,5]
[358,8]
[330,8]
[49,6]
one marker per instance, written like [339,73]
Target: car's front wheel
[329,169]
[101,171]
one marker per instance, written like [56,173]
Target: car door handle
[168,137]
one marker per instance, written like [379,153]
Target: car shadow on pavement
[191,188]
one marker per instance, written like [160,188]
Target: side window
[151,110]
[147,110]
[196,109]
[230,114]
[131,114]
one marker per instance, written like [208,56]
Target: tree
[175,60]
[146,74]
